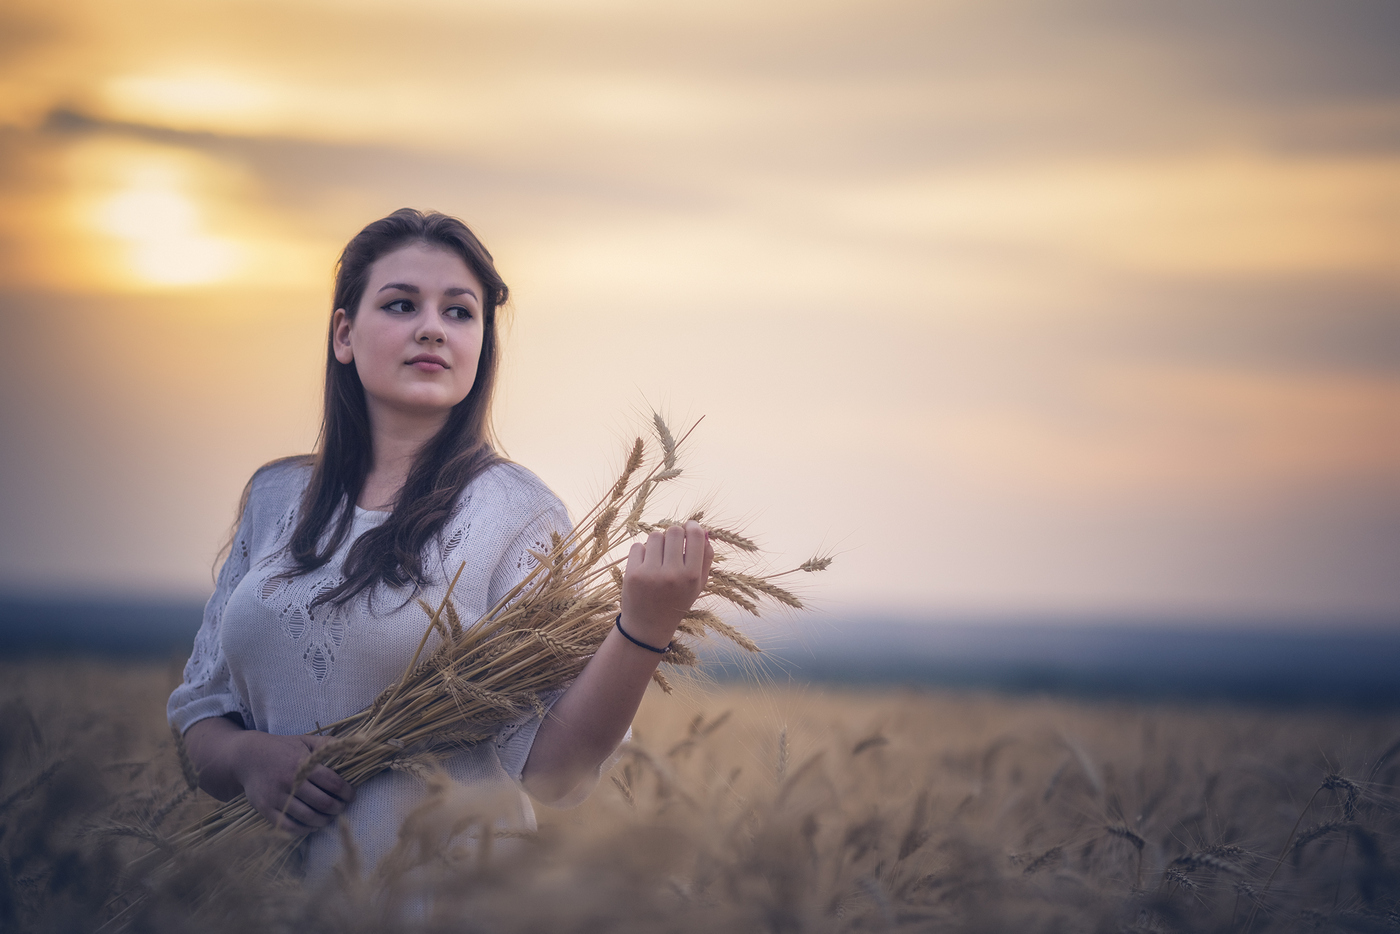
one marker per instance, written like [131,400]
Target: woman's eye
[402,306]
[459,312]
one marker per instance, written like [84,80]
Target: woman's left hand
[664,577]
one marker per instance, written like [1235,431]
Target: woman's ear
[340,336]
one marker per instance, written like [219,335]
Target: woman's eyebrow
[414,290]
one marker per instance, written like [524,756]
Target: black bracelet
[626,635]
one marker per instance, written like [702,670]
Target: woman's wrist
[648,631]
[657,649]
[237,756]
[215,746]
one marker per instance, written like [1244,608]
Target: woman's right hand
[265,766]
[262,766]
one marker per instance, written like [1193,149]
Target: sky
[1086,308]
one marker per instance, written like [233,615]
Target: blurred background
[1082,312]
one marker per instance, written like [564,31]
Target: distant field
[752,808]
[1348,662]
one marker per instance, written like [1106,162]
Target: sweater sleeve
[208,690]
[515,740]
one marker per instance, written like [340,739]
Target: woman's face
[416,338]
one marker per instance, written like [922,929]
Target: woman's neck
[397,438]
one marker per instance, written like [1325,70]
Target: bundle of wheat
[535,640]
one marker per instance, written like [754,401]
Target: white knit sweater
[263,653]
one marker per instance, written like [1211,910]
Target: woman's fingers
[314,793]
[332,785]
[674,558]
[326,789]
[709,560]
[268,764]
[655,550]
[681,546]
[636,557]
[665,575]
[694,546]
[283,822]
[287,813]
[311,808]
[682,552]
[303,818]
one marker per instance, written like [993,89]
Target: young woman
[314,612]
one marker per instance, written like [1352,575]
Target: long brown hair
[392,553]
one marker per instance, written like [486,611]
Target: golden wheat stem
[432,624]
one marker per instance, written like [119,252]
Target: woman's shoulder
[502,507]
[285,473]
[266,509]
[276,486]
[508,486]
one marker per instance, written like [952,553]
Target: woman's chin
[416,406]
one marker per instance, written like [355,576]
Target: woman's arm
[231,760]
[662,580]
[205,707]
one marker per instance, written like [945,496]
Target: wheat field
[754,808]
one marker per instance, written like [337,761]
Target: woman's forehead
[434,265]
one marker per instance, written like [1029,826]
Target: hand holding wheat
[664,576]
[264,767]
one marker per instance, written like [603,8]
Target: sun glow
[162,229]
[149,203]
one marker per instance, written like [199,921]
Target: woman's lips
[428,363]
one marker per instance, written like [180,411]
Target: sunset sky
[1020,308]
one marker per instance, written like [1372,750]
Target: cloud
[1260,52]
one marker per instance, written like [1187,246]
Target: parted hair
[392,553]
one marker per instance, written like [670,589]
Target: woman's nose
[430,330]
